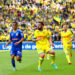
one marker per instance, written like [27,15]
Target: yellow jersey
[66,36]
[42,34]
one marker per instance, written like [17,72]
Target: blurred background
[54,14]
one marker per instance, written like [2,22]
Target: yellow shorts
[43,49]
[67,49]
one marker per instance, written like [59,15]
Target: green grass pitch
[30,62]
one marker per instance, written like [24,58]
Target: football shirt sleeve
[71,34]
[21,34]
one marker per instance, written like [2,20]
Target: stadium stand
[54,14]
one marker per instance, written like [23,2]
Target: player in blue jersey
[16,37]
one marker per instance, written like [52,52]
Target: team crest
[12,34]
[16,34]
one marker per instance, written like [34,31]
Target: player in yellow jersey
[67,38]
[42,39]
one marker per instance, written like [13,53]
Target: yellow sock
[40,62]
[68,58]
[44,57]
[52,59]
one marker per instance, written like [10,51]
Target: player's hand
[39,38]
[16,43]
[6,45]
[52,45]
[62,43]
[68,42]
[34,40]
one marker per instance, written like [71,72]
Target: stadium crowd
[28,13]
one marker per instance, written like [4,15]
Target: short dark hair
[15,22]
[42,23]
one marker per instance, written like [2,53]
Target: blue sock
[13,62]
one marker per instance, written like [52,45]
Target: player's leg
[70,51]
[13,61]
[52,55]
[67,56]
[19,55]
[48,55]
[41,54]
[12,53]
[41,58]
[18,58]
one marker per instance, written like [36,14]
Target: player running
[67,38]
[42,39]
[16,37]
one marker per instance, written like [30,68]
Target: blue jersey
[15,37]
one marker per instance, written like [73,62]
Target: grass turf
[30,62]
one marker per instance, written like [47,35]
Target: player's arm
[22,38]
[70,40]
[35,37]
[60,33]
[49,36]
[61,41]
[50,40]
[19,41]
[8,43]
[10,40]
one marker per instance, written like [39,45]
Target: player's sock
[40,63]
[52,59]
[68,58]
[71,53]
[13,63]
[48,56]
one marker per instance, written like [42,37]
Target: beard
[40,28]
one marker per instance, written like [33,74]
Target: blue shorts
[16,51]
